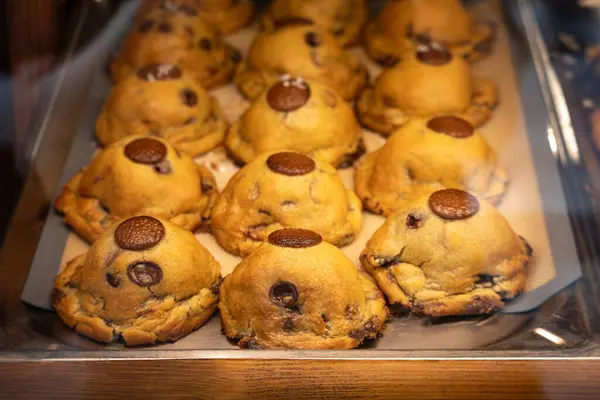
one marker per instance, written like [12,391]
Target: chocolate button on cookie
[290,163]
[159,72]
[453,204]
[144,273]
[145,151]
[434,56]
[288,95]
[139,233]
[295,238]
[283,294]
[451,126]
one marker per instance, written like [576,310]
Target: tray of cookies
[312,179]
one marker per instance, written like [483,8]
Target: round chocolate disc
[288,95]
[283,294]
[434,56]
[144,273]
[145,151]
[295,238]
[290,163]
[453,204]
[290,21]
[139,233]
[159,72]
[451,126]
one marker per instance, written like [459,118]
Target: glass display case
[531,69]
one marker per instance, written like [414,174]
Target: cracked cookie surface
[144,281]
[137,175]
[402,26]
[163,100]
[297,291]
[300,50]
[174,36]
[426,83]
[426,154]
[300,115]
[447,253]
[341,18]
[284,190]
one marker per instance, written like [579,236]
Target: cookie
[426,83]
[300,49]
[341,18]
[137,175]
[424,154]
[299,292]
[447,252]
[144,281]
[402,26]
[176,35]
[300,115]
[284,190]
[164,101]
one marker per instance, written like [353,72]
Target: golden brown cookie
[176,36]
[300,49]
[297,291]
[227,16]
[299,115]
[424,154]
[164,101]
[137,175]
[402,26]
[144,281]
[341,18]
[447,253]
[284,190]
[424,84]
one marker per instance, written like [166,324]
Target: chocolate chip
[421,38]
[235,55]
[205,44]
[451,126]
[190,31]
[290,163]
[372,325]
[249,343]
[414,221]
[57,295]
[288,95]
[294,238]
[324,318]
[312,39]
[139,233]
[144,273]
[145,26]
[386,262]
[288,325]
[189,97]
[164,27]
[453,204]
[357,334]
[159,72]
[388,61]
[350,312]
[113,280]
[163,167]
[434,57]
[283,294]
[291,21]
[145,151]
[206,187]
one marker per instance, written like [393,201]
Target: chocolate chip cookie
[137,175]
[447,252]
[145,280]
[297,291]
[284,190]
[424,154]
[162,100]
[426,83]
[300,50]
[227,16]
[403,26]
[341,18]
[300,115]
[176,36]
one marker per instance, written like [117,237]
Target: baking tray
[525,145]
